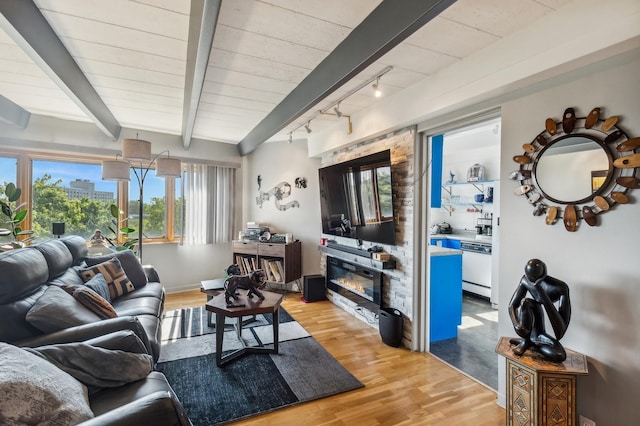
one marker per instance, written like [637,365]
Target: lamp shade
[136,149]
[168,167]
[115,170]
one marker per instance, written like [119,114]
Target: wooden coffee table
[253,306]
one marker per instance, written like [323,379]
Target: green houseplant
[116,222]
[15,214]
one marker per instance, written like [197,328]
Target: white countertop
[443,251]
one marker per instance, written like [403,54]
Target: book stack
[247,264]
[274,269]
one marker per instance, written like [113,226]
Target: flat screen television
[356,199]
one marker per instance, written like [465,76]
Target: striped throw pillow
[92,301]
[113,273]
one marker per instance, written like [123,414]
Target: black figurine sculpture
[527,313]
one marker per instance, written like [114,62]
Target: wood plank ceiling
[134,54]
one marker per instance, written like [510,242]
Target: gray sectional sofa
[37,312]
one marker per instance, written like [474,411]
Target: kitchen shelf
[478,185]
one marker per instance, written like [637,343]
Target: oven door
[476,273]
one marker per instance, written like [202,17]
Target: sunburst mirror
[578,168]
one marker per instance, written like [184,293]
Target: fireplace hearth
[361,285]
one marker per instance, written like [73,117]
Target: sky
[68,172]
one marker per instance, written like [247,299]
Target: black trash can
[390,324]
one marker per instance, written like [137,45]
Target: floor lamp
[136,156]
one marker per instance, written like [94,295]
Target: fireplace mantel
[358,259]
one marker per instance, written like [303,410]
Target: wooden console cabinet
[281,262]
[540,392]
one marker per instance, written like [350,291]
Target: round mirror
[571,169]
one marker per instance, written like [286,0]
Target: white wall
[599,264]
[278,162]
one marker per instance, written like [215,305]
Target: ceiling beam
[202,26]
[13,114]
[388,25]
[26,25]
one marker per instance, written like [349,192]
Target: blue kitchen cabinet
[453,244]
[445,294]
[435,241]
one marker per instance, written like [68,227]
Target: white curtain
[209,200]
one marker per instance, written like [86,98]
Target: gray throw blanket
[95,367]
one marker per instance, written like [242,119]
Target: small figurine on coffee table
[528,313]
[253,282]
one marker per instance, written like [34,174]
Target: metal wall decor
[278,192]
[578,168]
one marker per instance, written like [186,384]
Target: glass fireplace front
[360,284]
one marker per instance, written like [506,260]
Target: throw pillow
[130,264]
[91,300]
[98,284]
[33,390]
[117,280]
[56,310]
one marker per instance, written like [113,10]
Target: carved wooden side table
[541,392]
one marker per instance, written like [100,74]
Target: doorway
[463,216]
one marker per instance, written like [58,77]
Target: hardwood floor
[401,387]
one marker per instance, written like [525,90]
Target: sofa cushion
[23,271]
[113,273]
[99,284]
[77,247]
[153,289]
[109,399]
[92,300]
[56,310]
[129,262]
[14,325]
[34,390]
[138,306]
[57,255]
[70,277]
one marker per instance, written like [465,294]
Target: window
[73,193]
[154,207]
[8,174]
[67,188]
[8,171]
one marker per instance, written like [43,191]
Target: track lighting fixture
[376,88]
[335,106]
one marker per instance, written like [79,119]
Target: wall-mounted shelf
[477,206]
[479,185]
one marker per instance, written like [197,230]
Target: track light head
[376,88]
[307,128]
[337,110]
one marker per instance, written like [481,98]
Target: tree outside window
[73,193]
[155,212]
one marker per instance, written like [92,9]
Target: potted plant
[116,221]
[15,214]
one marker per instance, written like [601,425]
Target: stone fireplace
[396,285]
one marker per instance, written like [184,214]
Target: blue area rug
[256,383]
